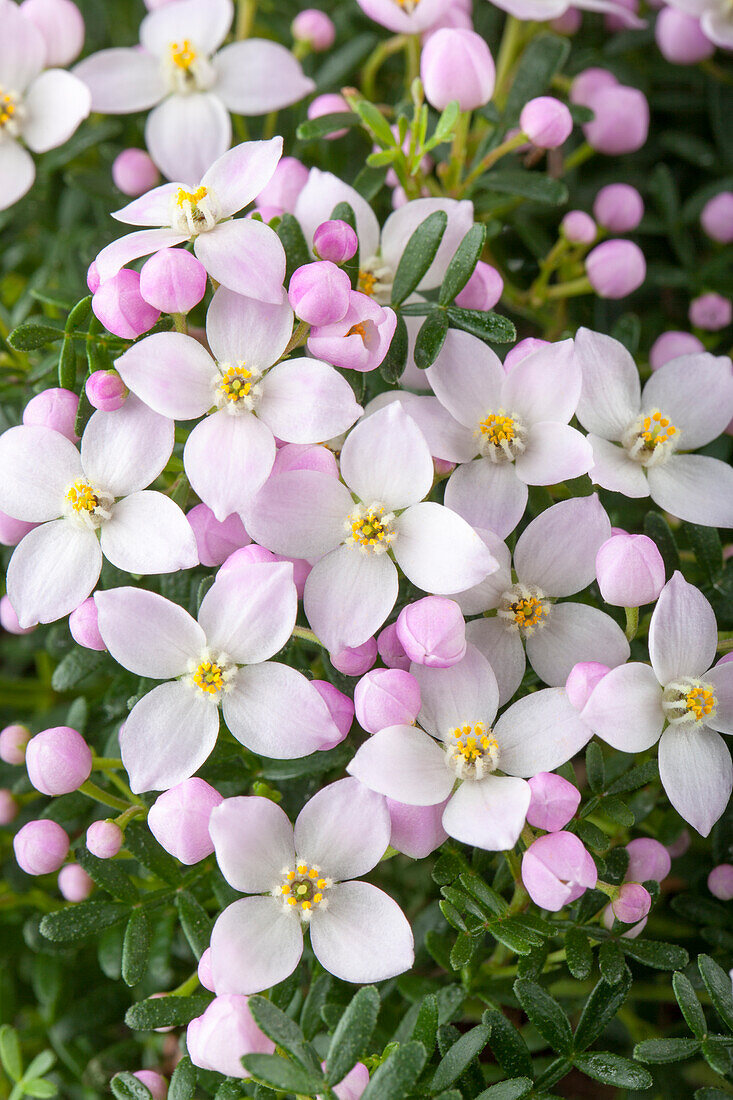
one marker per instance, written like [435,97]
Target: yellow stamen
[182,54]
[528,612]
[209,677]
[236,383]
[700,701]
[82,497]
[366,282]
[656,429]
[473,742]
[368,530]
[498,428]
[194,197]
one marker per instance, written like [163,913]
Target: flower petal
[31,490]
[438,551]
[246,256]
[300,513]
[539,733]
[720,677]
[697,775]
[122,80]
[385,458]
[488,495]
[259,76]
[545,557]
[253,841]
[405,764]
[148,533]
[171,373]
[307,401]
[610,396]
[612,469]
[205,23]
[696,488]
[344,829]
[683,633]
[22,49]
[467,378]
[249,612]
[625,708]
[575,632]
[554,453]
[503,650]
[316,203]
[255,944]
[545,385]
[167,736]
[402,223]
[132,246]
[125,450]
[185,134]
[54,105]
[239,328]
[17,172]
[227,460]
[696,393]
[170,640]
[348,595]
[52,570]
[487,594]
[463,694]
[363,935]
[152,208]
[488,814]
[238,176]
[445,437]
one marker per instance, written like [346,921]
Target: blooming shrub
[366,514]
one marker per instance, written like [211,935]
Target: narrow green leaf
[534,186]
[514,1089]
[512,935]
[39,1088]
[659,1051]
[78,922]
[463,264]
[426,1024]
[602,1005]
[611,962]
[10,1054]
[41,1064]
[395,1077]
[718,986]
[594,767]
[461,951]
[375,122]
[369,182]
[310,1018]
[510,1049]
[136,947]
[542,58]
[708,549]
[393,365]
[445,126]
[294,243]
[183,1081]
[327,124]
[485,324]
[195,922]
[578,954]
[272,1070]
[351,1037]
[109,874]
[125,1086]
[690,1005]
[75,667]
[32,335]
[492,903]
[284,1032]
[717,1052]
[546,1015]
[459,1057]
[168,1011]
[654,953]
[659,531]
[635,777]
[419,253]
[67,364]
[141,843]
[611,1069]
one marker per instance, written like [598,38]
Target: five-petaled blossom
[242,254]
[457,744]
[229,455]
[221,660]
[355,528]
[88,505]
[303,877]
[680,694]
[190,85]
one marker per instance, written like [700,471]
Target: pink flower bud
[13,530]
[357,660]
[615,268]
[589,83]
[288,180]
[568,23]
[546,121]
[226,1031]
[632,904]
[173,280]
[614,21]
[254,553]
[134,173]
[391,650]
[710,312]
[630,570]
[582,679]
[556,870]
[386,697]
[315,28]
[319,293]
[305,456]
[680,38]
[179,820]
[578,227]
[216,539]
[121,308]
[340,708]
[456,64]
[433,632]
[670,345]
[720,882]
[717,216]
[483,290]
[154,1082]
[621,122]
[554,802]
[104,839]
[74,883]
[9,619]
[329,104]
[521,350]
[40,847]
[679,846]
[13,741]
[416,830]
[83,624]
[360,340]
[62,27]
[335,241]
[648,859]
[608,918]
[618,207]
[205,974]
[106,390]
[353,1084]
[8,806]
[93,280]
[54,408]
[58,760]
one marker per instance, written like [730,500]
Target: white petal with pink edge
[363,935]
[52,570]
[253,841]
[344,830]
[171,639]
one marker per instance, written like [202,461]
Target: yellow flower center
[501,436]
[656,429]
[358,330]
[8,108]
[472,751]
[209,677]
[700,701]
[529,611]
[182,54]
[192,197]
[303,889]
[651,438]
[236,383]
[82,497]
[371,528]
[523,608]
[367,279]
[498,428]
[688,702]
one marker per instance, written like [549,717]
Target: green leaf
[485,324]
[136,947]
[578,954]
[602,1005]
[393,365]
[195,922]
[718,986]
[294,243]
[445,126]
[351,1037]
[183,1081]
[716,1051]
[108,874]
[546,1015]
[284,1032]
[125,1086]
[654,953]
[375,123]
[711,1094]
[529,185]
[67,364]
[659,531]
[327,124]
[395,1077]
[708,549]
[514,1089]
[75,667]
[658,1051]
[40,1088]
[369,182]
[689,1004]
[635,777]
[510,1049]
[461,951]
[310,1017]
[492,903]
[512,935]
[542,58]
[594,767]
[272,1070]
[430,338]
[611,962]
[78,922]
[611,1069]
[32,335]
[463,264]
[141,843]
[41,1064]
[459,1057]
[426,1024]
[10,1054]
[418,255]
[168,1011]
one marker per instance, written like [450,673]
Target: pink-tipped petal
[259,76]
[348,595]
[171,373]
[697,775]
[148,533]
[306,401]
[489,814]
[405,764]
[683,633]
[249,612]
[227,460]
[575,632]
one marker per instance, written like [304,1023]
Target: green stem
[375,61]
[179,320]
[299,337]
[91,790]
[106,763]
[547,266]
[412,50]
[458,150]
[583,153]
[511,44]
[570,289]
[307,635]
[491,158]
[632,622]
[125,818]
[246,11]
[187,987]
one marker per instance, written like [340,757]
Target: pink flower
[226,1031]
[221,660]
[716,19]
[302,879]
[192,83]
[88,505]
[554,802]
[360,339]
[410,17]
[636,433]
[456,64]
[556,870]
[243,254]
[62,26]
[179,819]
[544,10]
[386,465]
[301,400]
